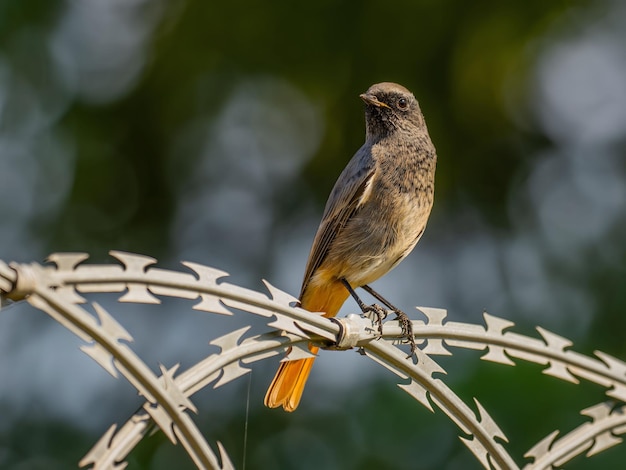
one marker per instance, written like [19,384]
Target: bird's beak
[371,99]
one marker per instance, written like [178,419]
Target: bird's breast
[390,217]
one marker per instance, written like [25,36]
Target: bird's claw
[407,330]
[379,315]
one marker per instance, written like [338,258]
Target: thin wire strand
[245,427]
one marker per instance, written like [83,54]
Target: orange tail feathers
[288,384]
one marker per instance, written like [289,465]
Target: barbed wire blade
[103,357]
[606,439]
[167,379]
[227,464]
[234,369]
[99,450]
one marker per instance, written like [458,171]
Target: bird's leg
[377,310]
[403,318]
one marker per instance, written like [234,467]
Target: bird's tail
[288,384]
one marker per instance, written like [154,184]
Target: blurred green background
[213,132]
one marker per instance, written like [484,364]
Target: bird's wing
[350,191]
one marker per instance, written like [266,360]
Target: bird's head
[390,108]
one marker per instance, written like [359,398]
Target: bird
[375,215]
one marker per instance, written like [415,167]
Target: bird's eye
[403,103]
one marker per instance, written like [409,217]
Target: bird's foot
[379,315]
[407,330]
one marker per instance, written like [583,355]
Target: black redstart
[375,215]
